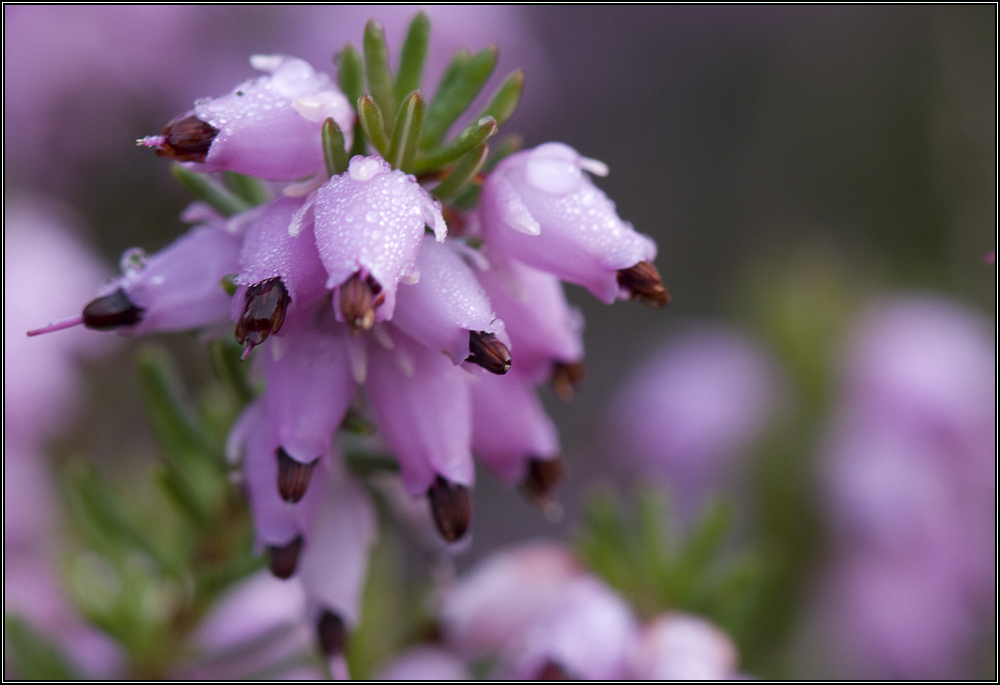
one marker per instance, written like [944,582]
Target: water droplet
[133,261]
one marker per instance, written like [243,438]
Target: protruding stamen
[111,311]
[358,299]
[263,313]
[186,140]
[643,282]
[293,476]
[332,633]
[284,560]
[550,670]
[542,478]
[488,352]
[451,507]
[565,378]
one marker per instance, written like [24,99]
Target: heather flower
[425,662]
[540,208]
[369,226]
[237,132]
[912,488]
[682,647]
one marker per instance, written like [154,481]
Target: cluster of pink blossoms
[357,280]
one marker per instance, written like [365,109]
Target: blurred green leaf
[459,87]
[33,657]
[350,73]
[505,101]
[380,84]
[405,136]
[506,147]
[247,188]
[463,173]
[205,190]
[411,60]
[334,151]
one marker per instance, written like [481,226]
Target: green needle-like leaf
[463,173]
[506,147]
[230,371]
[470,138]
[377,70]
[370,117]
[207,191]
[247,188]
[406,134]
[350,73]
[505,102]
[334,152]
[458,89]
[411,61]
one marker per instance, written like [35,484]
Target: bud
[186,140]
[565,378]
[263,313]
[358,300]
[293,477]
[451,507]
[488,352]
[111,311]
[643,282]
[542,478]
[284,560]
[331,633]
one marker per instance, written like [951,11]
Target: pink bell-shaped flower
[369,226]
[540,208]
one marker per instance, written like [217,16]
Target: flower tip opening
[566,376]
[331,633]
[541,481]
[184,140]
[293,476]
[263,313]
[358,300]
[111,311]
[451,507]
[284,560]
[488,352]
[643,283]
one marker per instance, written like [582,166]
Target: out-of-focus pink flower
[691,410]
[912,489]
[541,209]
[682,647]
[425,663]
[45,270]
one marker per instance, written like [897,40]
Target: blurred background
[821,183]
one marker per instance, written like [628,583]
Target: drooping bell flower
[540,208]
[421,405]
[447,310]
[544,329]
[281,277]
[268,127]
[177,289]
[369,226]
[309,386]
[511,431]
[679,646]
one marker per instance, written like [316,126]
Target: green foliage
[246,188]
[154,556]
[32,656]
[659,570]
[220,199]
[462,174]
[334,148]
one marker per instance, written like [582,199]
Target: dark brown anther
[542,478]
[284,560]
[358,299]
[488,352]
[565,378]
[550,670]
[451,507]
[187,140]
[263,313]
[643,282]
[331,633]
[111,311]
[293,476]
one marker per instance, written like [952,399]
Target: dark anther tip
[451,507]
[187,140]
[263,313]
[488,352]
[566,376]
[643,282]
[293,476]
[542,478]
[111,311]
[284,560]
[331,633]
[358,300]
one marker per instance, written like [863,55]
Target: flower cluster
[356,275]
